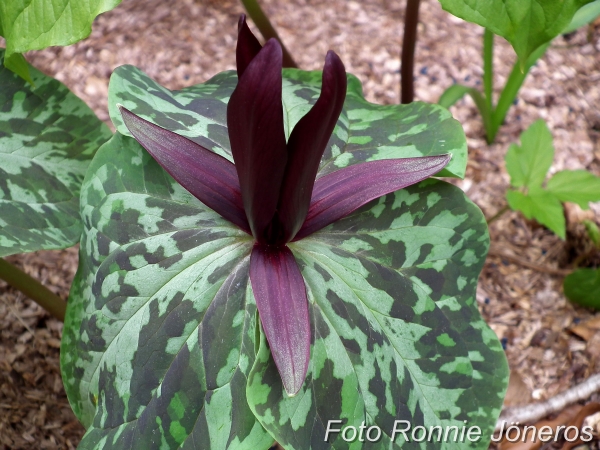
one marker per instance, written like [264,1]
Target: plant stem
[488,67]
[411,20]
[33,289]
[267,30]
[498,214]
[511,89]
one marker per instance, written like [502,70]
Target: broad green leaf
[583,16]
[576,186]
[528,164]
[365,132]
[36,24]
[526,24]
[47,138]
[583,287]
[395,326]
[540,205]
[160,325]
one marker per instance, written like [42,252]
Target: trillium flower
[271,191]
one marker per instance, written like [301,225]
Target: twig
[536,411]
[17,315]
[523,262]
[33,289]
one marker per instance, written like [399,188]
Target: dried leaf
[586,329]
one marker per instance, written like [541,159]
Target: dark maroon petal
[282,304]
[255,123]
[207,176]
[339,193]
[247,46]
[306,145]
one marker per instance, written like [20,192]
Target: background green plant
[530,27]
[542,200]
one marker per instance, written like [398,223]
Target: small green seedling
[528,165]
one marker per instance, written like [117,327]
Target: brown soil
[520,291]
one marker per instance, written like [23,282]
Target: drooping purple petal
[306,145]
[207,176]
[339,193]
[247,46]
[282,304]
[255,124]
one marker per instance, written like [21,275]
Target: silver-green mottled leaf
[364,132]
[160,326]
[161,331]
[396,330]
[48,136]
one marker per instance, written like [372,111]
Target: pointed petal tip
[273,45]
[247,46]
[241,21]
[293,392]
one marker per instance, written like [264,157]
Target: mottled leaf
[526,24]
[161,319]
[364,131]
[396,333]
[47,139]
[162,325]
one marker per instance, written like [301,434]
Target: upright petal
[207,176]
[306,145]
[247,46]
[282,304]
[341,192]
[255,124]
